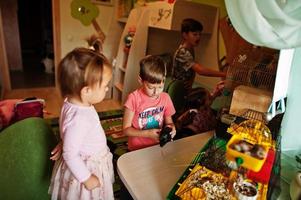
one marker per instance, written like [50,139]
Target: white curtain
[272,23]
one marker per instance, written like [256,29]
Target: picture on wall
[103,2]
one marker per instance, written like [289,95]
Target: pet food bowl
[245,191]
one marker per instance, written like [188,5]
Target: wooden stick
[98,30]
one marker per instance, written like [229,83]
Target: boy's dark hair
[197,98]
[191,25]
[152,69]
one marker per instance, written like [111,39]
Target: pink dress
[85,152]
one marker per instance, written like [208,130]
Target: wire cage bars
[254,67]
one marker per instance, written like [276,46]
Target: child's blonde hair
[152,69]
[81,67]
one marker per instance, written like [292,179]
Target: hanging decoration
[86,12]
[128,39]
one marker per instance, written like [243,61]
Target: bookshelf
[158,31]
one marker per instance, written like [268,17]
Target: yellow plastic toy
[245,154]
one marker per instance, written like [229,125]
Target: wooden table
[150,173]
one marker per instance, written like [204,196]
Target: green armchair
[25,167]
[176,91]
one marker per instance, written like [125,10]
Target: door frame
[4,75]
[56,28]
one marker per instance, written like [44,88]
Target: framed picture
[103,2]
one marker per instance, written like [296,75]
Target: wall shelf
[119,86]
[122,68]
[122,19]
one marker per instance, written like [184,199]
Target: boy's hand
[92,182]
[57,151]
[218,89]
[173,131]
[153,133]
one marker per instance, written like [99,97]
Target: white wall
[73,32]
[291,124]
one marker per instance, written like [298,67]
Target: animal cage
[254,68]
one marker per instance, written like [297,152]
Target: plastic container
[245,160]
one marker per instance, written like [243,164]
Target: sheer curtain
[272,23]
[276,24]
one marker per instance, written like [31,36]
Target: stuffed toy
[7,111]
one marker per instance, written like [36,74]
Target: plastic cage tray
[195,165]
[220,143]
[203,183]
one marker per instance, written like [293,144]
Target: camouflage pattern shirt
[182,66]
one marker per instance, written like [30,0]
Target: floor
[31,79]
[289,168]
[53,104]
[54,101]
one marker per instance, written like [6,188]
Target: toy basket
[255,68]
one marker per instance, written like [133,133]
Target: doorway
[34,22]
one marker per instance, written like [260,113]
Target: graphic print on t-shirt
[151,118]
